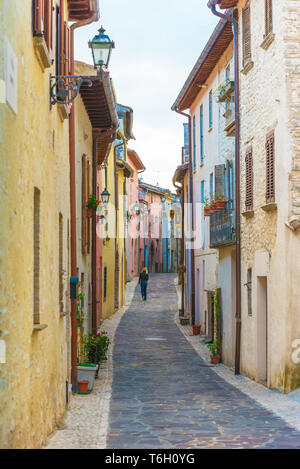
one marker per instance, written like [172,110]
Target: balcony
[222,226]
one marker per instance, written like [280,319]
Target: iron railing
[222,226]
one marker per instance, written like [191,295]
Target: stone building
[270,175]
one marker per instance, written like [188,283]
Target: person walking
[143,281]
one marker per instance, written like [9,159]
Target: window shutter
[38,15]
[270,169]
[269,16]
[66,49]
[249,180]
[49,25]
[88,231]
[220,179]
[61,39]
[246,34]
[84,203]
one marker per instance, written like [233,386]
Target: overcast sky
[157,44]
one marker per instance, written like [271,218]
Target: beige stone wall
[270,101]
[34,153]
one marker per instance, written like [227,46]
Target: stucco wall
[218,148]
[34,153]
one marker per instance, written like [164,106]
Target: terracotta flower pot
[220,204]
[83,386]
[207,212]
[196,329]
[215,359]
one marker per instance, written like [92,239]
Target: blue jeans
[144,285]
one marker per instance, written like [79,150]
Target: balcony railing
[222,226]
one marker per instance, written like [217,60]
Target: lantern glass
[105,196]
[101,47]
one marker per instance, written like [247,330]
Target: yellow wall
[83,146]
[108,248]
[34,153]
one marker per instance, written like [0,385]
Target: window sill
[267,41]
[247,67]
[39,327]
[269,207]
[248,213]
[42,52]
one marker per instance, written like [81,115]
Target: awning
[99,102]
[180,172]
[82,9]
[213,51]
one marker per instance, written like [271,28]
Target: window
[36,257]
[202,192]
[210,110]
[194,143]
[270,168]
[201,134]
[246,35]
[85,220]
[249,291]
[249,180]
[105,283]
[220,180]
[43,20]
[268,17]
[60,263]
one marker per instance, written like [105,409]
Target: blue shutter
[201,134]
[194,143]
[210,110]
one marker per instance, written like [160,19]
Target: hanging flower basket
[93,204]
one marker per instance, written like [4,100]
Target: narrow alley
[165,396]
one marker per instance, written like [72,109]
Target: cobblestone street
[156,391]
[165,396]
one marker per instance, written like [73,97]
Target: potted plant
[220,201]
[93,205]
[196,329]
[207,207]
[94,348]
[214,356]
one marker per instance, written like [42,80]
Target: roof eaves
[201,60]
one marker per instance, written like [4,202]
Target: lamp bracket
[65,88]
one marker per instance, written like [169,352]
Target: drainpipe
[234,20]
[94,17]
[191,201]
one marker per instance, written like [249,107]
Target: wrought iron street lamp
[101,47]
[65,88]
[105,196]
[137,208]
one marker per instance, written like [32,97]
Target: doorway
[262,330]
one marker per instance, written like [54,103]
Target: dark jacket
[143,276]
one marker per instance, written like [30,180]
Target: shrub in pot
[214,356]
